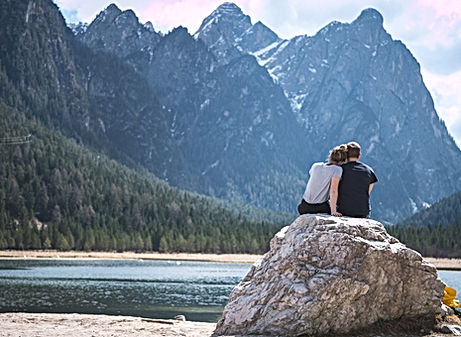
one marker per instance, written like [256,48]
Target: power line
[17,140]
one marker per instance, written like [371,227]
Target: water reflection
[157,289]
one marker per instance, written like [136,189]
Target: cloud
[445,91]
[71,15]
[432,31]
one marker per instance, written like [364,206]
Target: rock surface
[331,275]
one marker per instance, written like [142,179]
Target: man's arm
[334,195]
[370,188]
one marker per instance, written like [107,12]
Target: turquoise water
[156,289]
[452,279]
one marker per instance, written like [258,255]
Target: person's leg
[306,208]
[324,208]
[303,207]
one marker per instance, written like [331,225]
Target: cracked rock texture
[328,275]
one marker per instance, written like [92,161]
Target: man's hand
[336,214]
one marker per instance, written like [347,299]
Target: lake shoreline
[439,263]
[197,257]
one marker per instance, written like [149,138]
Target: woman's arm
[334,195]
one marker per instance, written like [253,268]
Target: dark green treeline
[430,240]
[56,194]
[434,231]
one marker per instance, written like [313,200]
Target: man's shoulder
[367,167]
[357,166]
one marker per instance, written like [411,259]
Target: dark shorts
[306,208]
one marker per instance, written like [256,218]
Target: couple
[346,185]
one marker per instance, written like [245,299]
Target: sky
[430,29]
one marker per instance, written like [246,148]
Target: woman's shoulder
[318,164]
[335,169]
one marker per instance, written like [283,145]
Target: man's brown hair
[353,150]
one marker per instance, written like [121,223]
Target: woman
[323,184]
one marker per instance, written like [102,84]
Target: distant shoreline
[54,254]
[439,263]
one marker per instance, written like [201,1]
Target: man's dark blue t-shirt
[353,197]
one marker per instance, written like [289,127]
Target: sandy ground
[445,264]
[78,325]
[440,263]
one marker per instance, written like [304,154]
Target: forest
[57,194]
[431,240]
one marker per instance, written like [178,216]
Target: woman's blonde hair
[338,155]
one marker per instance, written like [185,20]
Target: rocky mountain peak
[370,16]
[112,14]
[127,18]
[149,26]
[228,8]
[228,18]
[108,14]
[113,8]
[179,33]
[120,32]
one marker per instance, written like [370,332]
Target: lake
[156,289]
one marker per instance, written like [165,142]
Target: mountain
[444,212]
[354,82]
[232,111]
[89,95]
[66,113]
[348,82]
[229,33]
[55,193]
[239,146]
[435,231]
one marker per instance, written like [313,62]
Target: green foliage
[435,231]
[446,211]
[431,240]
[57,194]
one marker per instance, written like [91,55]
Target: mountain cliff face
[253,111]
[353,82]
[233,110]
[87,94]
[240,146]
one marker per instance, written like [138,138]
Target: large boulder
[331,275]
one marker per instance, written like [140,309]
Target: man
[356,184]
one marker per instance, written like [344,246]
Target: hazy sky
[430,29]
